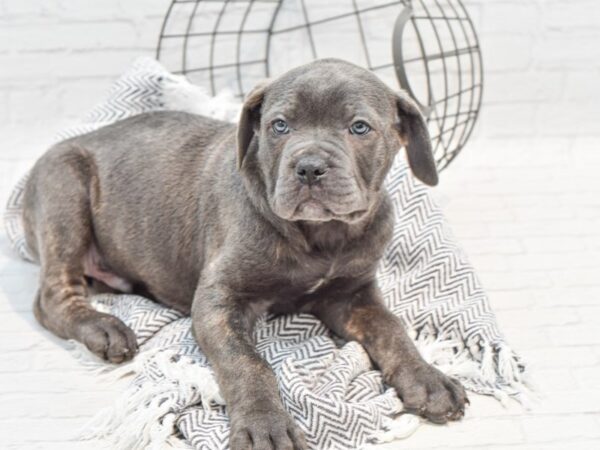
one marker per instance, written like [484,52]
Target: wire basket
[427,47]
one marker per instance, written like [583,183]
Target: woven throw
[329,386]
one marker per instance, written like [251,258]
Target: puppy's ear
[415,137]
[249,120]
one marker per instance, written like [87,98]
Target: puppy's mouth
[314,210]
[337,198]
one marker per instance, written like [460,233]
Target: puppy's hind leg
[57,214]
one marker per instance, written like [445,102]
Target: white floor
[528,213]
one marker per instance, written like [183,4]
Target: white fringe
[144,416]
[396,429]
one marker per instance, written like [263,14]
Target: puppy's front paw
[107,337]
[270,430]
[426,391]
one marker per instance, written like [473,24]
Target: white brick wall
[541,58]
[57,56]
[542,66]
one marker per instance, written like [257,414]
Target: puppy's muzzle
[311,169]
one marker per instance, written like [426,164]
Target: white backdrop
[541,60]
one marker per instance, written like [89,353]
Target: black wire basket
[427,47]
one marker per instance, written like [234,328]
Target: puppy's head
[323,136]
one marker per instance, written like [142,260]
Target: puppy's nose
[310,169]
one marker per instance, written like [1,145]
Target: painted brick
[585,151]
[562,16]
[510,17]
[507,52]
[543,317]
[28,7]
[544,429]
[523,336]
[588,377]
[40,429]
[491,245]
[562,47]
[508,120]
[579,84]
[480,432]
[525,86]
[570,402]
[510,299]
[567,296]
[76,64]
[569,444]
[553,244]
[72,36]
[569,118]
[583,334]
[560,355]
[552,380]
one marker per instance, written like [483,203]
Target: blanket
[329,386]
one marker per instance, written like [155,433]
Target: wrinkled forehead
[323,96]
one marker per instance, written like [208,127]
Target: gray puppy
[162,205]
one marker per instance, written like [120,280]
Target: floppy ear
[415,137]
[249,120]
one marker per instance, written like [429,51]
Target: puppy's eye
[280,127]
[360,128]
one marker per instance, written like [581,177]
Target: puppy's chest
[296,283]
[322,277]
[312,274]
[301,283]
[309,284]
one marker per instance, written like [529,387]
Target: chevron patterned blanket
[328,386]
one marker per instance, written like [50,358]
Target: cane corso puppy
[286,212]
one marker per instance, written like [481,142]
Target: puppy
[285,213]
